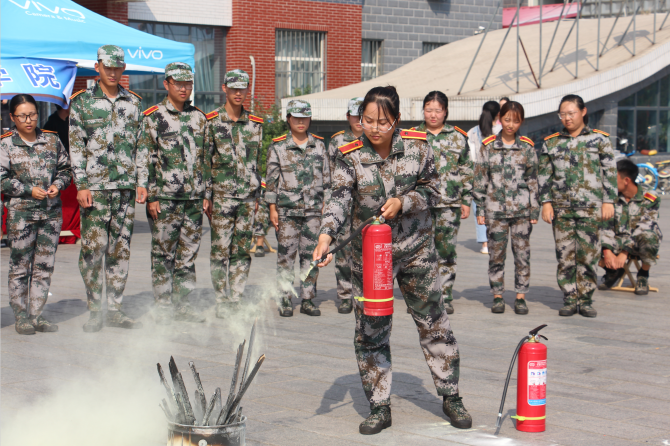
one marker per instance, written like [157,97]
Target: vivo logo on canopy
[141,54]
[38,9]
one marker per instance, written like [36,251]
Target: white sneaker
[484,250]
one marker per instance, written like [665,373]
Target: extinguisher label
[383,266]
[537,383]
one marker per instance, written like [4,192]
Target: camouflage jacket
[453,164]
[338,139]
[235,150]
[363,177]
[298,180]
[577,172]
[172,162]
[23,167]
[631,218]
[103,138]
[506,179]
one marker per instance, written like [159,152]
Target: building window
[210,63]
[371,59]
[644,118]
[299,63]
[430,46]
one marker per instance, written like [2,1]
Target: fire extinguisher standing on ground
[531,395]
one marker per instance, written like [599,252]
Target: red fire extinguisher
[377,269]
[531,395]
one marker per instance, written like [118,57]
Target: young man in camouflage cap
[174,166]
[104,120]
[234,137]
[343,257]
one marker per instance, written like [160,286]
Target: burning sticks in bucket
[178,408]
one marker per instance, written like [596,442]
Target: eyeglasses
[182,85]
[24,118]
[567,115]
[380,128]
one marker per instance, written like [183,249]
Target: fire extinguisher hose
[347,240]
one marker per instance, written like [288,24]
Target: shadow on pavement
[545,295]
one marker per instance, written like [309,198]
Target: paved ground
[608,378]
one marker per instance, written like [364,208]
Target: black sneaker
[285,308]
[260,251]
[568,309]
[611,277]
[458,416]
[378,420]
[520,306]
[498,305]
[642,286]
[587,310]
[346,305]
[44,326]
[307,307]
[94,323]
[23,325]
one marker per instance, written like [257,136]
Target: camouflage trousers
[417,278]
[261,220]
[577,237]
[297,235]
[498,232]
[343,264]
[232,236]
[446,222]
[106,230]
[175,241]
[646,247]
[31,260]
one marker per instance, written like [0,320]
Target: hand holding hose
[322,248]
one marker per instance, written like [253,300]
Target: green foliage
[300,91]
[273,126]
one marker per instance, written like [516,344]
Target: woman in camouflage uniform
[34,167]
[394,170]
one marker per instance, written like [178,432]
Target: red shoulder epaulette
[132,92]
[263,185]
[527,140]
[256,119]
[150,110]
[413,128]
[601,132]
[200,110]
[280,138]
[212,115]
[6,134]
[77,94]
[351,146]
[316,136]
[461,131]
[489,140]
[552,136]
[412,134]
[649,196]
[47,131]
[338,133]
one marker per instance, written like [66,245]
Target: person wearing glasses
[577,179]
[298,184]
[392,172]
[104,120]
[35,168]
[173,169]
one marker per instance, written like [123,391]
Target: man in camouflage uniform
[104,121]
[298,184]
[453,164]
[343,256]
[633,231]
[234,137]
[576,176]
[33,225]
[174,166]
[506,194]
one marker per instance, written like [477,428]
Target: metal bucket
[228,435]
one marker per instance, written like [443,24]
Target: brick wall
[253,33]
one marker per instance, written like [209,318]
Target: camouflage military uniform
[453,164]
[298,183]
[577,175]
[634,228]
[262,216]
[33,226]
[235,150]
[174,166]
[367,181]
[103,137]
[506,193]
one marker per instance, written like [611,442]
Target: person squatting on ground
[234,137]
[577,181]
[454,166]
[174,166]
[506,193]
[35,168]
[104,122]
[394,171]
[298,184]
[633,231]
[343,257]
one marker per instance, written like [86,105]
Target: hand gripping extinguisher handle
[347,240]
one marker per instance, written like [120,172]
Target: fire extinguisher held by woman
[394,170]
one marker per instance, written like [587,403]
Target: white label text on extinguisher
[383,266]
[537,383]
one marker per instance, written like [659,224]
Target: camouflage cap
[236,79]
[354,104]
[111,56]
[179,71]
[299,109]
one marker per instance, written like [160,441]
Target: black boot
[345,306]
[569,308]
[378,420]
[94,323]
[610,278]
[458,415]
[285,307]
[307,307]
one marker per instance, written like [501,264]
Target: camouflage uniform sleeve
[11,186]
[78,141]
[337,208]
[426,194]
[332,154]
[608,169]
[481,181]
[545,174]
[327,179]
[466,169]
[146,158]
[609,237]
[272,176]
[64,171]
[648,221]
[209,153]
[530,176]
